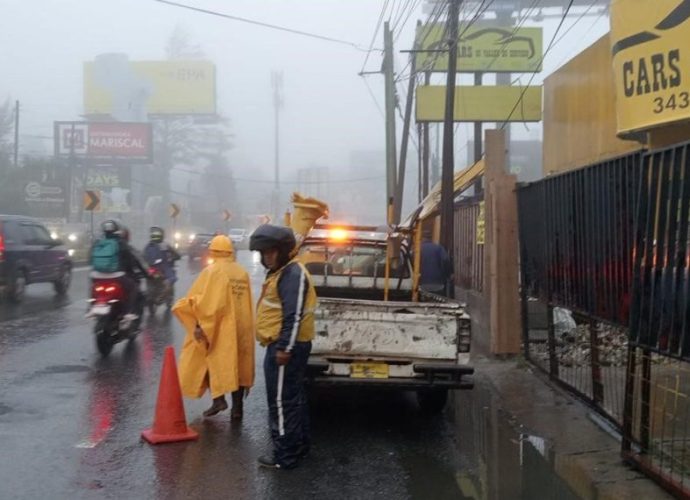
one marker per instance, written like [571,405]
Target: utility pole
[16,133]
[277,84]
[391,143]
[425,147]
[405,138]
[447,191]
[504,19]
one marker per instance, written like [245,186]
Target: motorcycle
[159,290]
[108,306]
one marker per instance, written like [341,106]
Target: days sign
[480,104]
[92,201]
[174,211]
[651,62]
[105,141]
[114,186]
[116,86]
[493,49]
[227,215]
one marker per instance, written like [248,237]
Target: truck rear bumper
[429,375]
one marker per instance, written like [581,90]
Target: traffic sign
[92,201]
[227,215]
[174,210]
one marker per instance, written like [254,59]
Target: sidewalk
[530,439]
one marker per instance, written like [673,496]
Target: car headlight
[177,235]
[192,237]
[72,237]
[70,252]
[54,235]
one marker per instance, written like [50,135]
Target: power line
[548,49]
[263,24]
[376,32]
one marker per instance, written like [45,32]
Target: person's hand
[283,358]
[200,336]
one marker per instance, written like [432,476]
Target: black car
[198,247]
[28,255]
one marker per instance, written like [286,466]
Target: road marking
[80,269]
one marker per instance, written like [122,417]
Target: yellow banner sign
[481,104]
[491,49]
[651,62]
[116,86]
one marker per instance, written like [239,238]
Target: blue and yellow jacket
[285,313]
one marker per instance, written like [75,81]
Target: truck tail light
[2,245]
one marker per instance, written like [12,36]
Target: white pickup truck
[362,340]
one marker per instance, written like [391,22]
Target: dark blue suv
[28,254]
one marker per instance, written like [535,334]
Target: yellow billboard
[480,104]
[115,86]
[651,62]
[493,49]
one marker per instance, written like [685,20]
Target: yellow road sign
[481,103]
[92,201]
[174,211]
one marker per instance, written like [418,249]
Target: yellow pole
[417,265]
[388,252]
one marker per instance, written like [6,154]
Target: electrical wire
[376,32]
[548,49]
[263,24]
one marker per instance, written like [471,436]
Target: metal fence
[655,431]
[576,251]
[468,260]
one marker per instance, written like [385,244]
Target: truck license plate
[369,370]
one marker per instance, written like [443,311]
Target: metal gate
[657,403]
[576,234]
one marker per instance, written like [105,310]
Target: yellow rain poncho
[220,301]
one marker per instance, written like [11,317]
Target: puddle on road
[500,460]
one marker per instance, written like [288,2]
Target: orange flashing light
[338,234]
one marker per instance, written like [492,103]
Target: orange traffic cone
[169,424]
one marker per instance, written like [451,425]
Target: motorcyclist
[158,250]
[126,261]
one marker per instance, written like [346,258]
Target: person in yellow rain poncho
[218,350]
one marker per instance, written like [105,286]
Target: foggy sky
[328,111]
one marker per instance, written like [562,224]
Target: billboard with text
[132,142]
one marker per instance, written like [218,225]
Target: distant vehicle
[76,238]
[29,255]
[182,239]
[198,248]
[239,238]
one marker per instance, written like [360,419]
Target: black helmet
[269,236]
[157,234]
[110,228]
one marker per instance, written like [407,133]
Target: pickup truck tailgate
[359,328]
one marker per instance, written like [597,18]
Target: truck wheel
[17,288]
[432,401]
[63,282]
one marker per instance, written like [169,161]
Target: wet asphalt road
[70,422]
